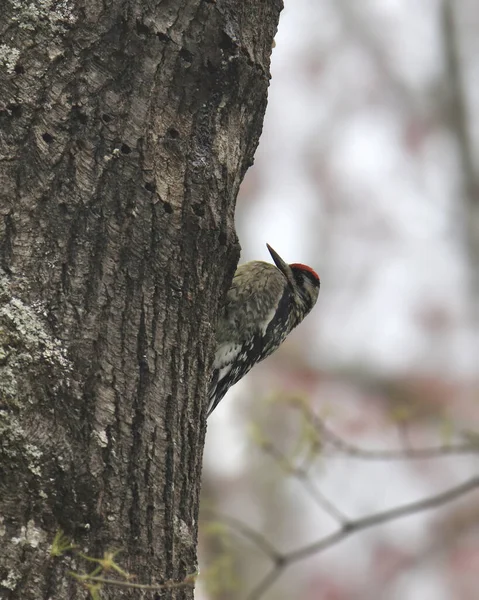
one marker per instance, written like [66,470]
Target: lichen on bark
[124,137]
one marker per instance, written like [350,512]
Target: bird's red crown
[305,268]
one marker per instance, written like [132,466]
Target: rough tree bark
[126,128]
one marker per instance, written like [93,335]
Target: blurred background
[368,170]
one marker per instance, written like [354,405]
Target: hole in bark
[15,110]
[186,55]
[173,133]
[150,187]
[77,114]
[19,70]
[199,209]
[168,208]
[210,67]
[162,36]
[142,29]
[227,44]
[125,149]
[106,118]
[222,238]
[47,137]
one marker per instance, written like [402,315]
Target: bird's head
[303,281]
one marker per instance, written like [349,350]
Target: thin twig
[327,435]
[357,525]
[382,517]
[247,532]
[302,476]
[459,120]
[138,586]
[266,582]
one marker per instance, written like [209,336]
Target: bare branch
[301,475]
[459,122]
[189,581]
[267,581]
[329,436]
[382,517]
[247,532]
[357,525]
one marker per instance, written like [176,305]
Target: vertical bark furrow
[123,140]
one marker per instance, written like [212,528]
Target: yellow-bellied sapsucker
[262,306]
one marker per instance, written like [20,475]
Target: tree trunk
[126,128]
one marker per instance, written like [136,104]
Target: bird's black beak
[282,266]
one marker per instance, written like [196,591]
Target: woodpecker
[265,302]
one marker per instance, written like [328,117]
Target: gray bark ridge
[125,131]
